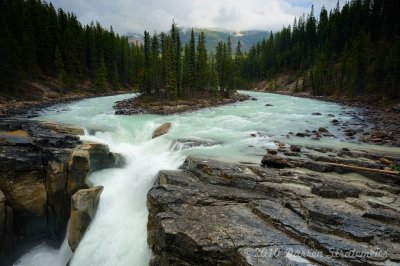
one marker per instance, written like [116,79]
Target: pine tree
[185,71]
[237,80]
[100,82]
[155,65]
[220,66]
[212,77]
[176,58]
[147,65]
[201,64]
[192,63]
[171,82]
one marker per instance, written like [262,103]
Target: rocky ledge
[321,207]
[42,165]
[143,105]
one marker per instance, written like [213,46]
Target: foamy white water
[118,234]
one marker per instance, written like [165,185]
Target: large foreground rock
[41,166]
[217,213]
[83,208]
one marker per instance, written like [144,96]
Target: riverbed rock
[83,208]
[42,165]
[272,152]
[295,148]
[161,130]
[187,143]
[274,161]
[322,130]
[222,213]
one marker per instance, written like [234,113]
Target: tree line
[353,50]
[172,70]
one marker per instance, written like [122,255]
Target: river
[118,234]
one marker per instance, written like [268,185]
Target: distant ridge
[213,36]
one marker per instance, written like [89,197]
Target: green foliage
[353,50]
[395,167]
[100,81]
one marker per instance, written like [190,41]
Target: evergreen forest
[351,50]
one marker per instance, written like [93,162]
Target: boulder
[295,148]
[274,161]
[385,161]
[83,208]
[161,130]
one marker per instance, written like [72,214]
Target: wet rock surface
[41,166]
[187,143]
[83,208]
[314,211]
[141,105]
[161,130]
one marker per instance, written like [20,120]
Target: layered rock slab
[217,213]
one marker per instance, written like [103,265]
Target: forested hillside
[353,51]
[38,41]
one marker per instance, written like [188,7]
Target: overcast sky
[135,16]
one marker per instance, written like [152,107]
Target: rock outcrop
[42,165]
[83,208]
[161,130]
[219,213]
[6,235]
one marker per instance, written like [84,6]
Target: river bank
[385,119]
[30,108]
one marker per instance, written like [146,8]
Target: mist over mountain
[213,36]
